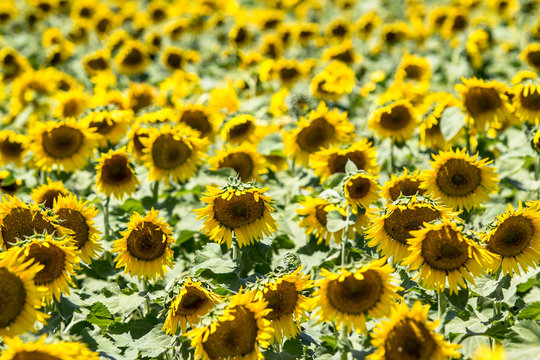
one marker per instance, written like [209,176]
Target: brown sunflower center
[337,162]
[346,56]
[53,260]
[72,108]
[288,73]
[409,340]
[62,142]
[146,242]
[339,30]
[233,338]
[12,297]
[316,135]
[11,149]
[104,126]
[460,22]
[98,64]
[407,187]
[241,130]
[400,223]
[34,355]
[413,72]
[512,236]
[133,57]
[399,117]
[192,301]
[116,170]
[321,214]
[282,301]
[48,197]
[531,101]
[480,101]
[457,177]
[358,188]
[196,119]
[444,250]
[241,36]
[241,162]
[137,143]
[168,152]
[238,211]
[20,223]
[533,57]
[74,220]
[353,296]
[174,60]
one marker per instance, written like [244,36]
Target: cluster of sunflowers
[330,175]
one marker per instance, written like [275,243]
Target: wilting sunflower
[360,191]
[240,208]
[406,185]
[315,211]
[444,254]
[110,124]
[244,159]
[66,145]
[201,118]
[459,180]
[47,193]
[236,332]
[144,249]
[531,55]
[132,58]
[59,259]
[288,305]
[17,350]
[77,216]
[397,120]
[515,237]
[239,129]
[333,160]
[192,303]
[391,231]
[321,129]
[19,220]
[173,152]
[526,102]
[115,174]
[13,147]
[348,297]
[407,334]
[484,102]
[20,298]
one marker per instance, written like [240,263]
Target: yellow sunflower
[367,23]
[333,81]
[526,102]
[240,208]
[338,30]
[8,184]
[132,58]
[413,69]
[484,102]
[47,193]
[288,305]
[240,129]
[20,298]
[115,174]
[395,32]
[13,147]
[96,62]
[459,180]
[397,121]
[66,145]
[515,238]
[201,118]
[17,350]
[485,352]
[192,303]
[406,184]
[343,52]
[431,135]
[173,152]
[456,21]
[110,124]
[360,191]
[144,249]
[236,333]
[244,159]
[347,297]
[407,334]
[531,55]
[70,104]
[322,129]
[315,211]
[391,231]
[444,254]
[135,145]
[77,216]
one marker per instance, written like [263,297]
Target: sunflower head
[367,23]
[526,102]
[132,58]
[97,62]
[397,120]
[13,147]
[239,129]
[201,118]
[333,82]
[46,194]
[243,159]
[16,349]
[115,174]
[110,124]
[406,184]
[531,55]
[413,69]
[360,191]
[8,183]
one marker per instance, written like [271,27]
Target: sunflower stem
[146,298]
[344,238]
[155,193]
[537,175]
[235,251]
[106,217]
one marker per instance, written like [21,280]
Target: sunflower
[272,46]
[97,62]
[236,333]
[444,254]
[288,305]
[531,55]
[487,353]
[19,220]
[142,95]
[484,102]
[322,129]
[201,118]
[431,134]
[348,296]
[115,174]
[360,191]
[413,69]
[173,152]
[136,135]
[77,216]
[47,193]
[240,35]
[244,159]
[20,298]
[406,185]
[161,116]
[66,144]
[396,32]
[224,97]
[240,208]
[526,102]
[305,32]
[110,124]
[132,58]
[174,58]
[338,30]
[192,303]
[343,52]
[144,249]
[333,82]
[8,184]
[407,334]
[288,71]
[239,129]
[13,147]
[17,350]
[70,104]
[397,120]
[391,231]
[367,23]
[459,180]
[333,160]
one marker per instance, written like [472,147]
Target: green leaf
[350,167]
[527,285]
[531,312]
[334,221]
[99,315]
[211,258]
[451,122]
[132,205]
[333,180]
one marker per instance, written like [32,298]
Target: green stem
[146,298]
[235,250]
[106,217]
[441,303]
[345,237]
[537,176]
[343,335]
[155,192]
[467,137]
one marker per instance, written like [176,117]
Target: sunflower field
[269,179]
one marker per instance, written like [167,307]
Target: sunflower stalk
[155,192]
[106,217]
[537,175]
[344,237]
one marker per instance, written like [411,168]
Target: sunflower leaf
[333,180]
[451,122]
[334,221]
